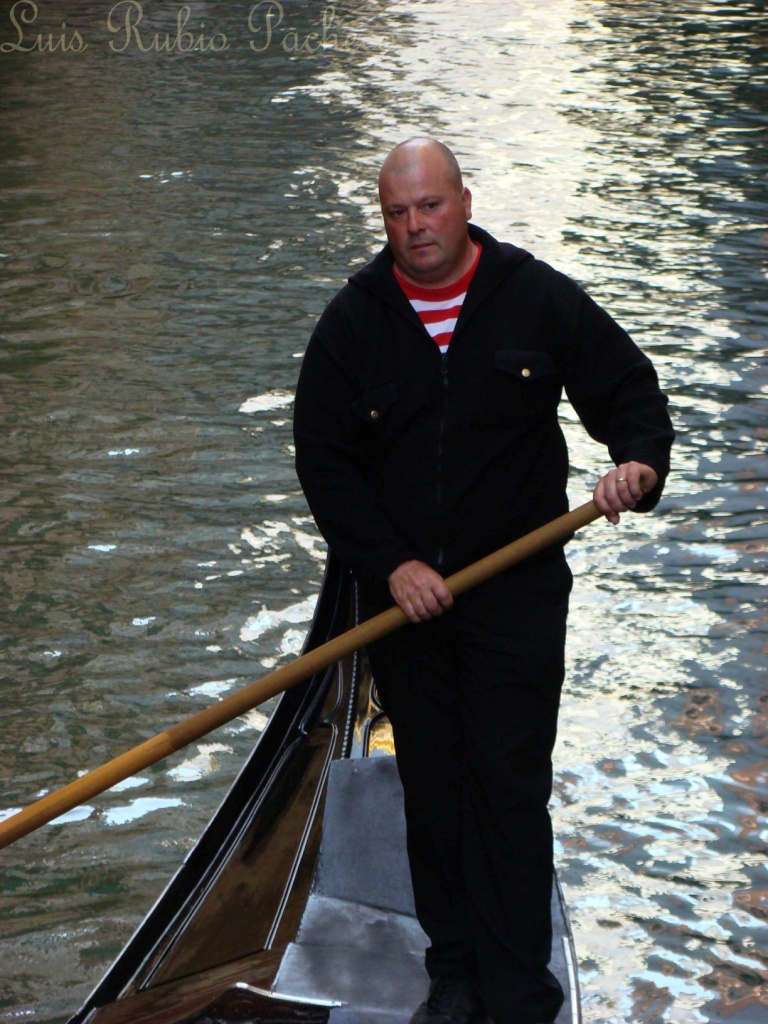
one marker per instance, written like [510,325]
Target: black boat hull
[295,905]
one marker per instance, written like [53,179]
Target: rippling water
[171,224]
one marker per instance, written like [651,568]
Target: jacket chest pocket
[526,381]
[375,405]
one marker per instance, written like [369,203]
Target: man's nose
[414,222]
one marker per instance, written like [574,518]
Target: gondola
[295,905]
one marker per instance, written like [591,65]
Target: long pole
[196,726]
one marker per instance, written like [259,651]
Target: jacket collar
[497,261]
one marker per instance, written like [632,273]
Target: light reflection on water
[171,228]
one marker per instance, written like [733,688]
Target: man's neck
[456,275]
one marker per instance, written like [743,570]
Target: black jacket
[404,453]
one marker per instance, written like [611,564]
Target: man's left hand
[622,488]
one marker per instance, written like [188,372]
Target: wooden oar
[198,725]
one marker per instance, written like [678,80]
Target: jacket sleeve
[615,391]
[331,461]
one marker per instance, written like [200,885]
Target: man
[427,436]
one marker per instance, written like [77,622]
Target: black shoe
[450,1001]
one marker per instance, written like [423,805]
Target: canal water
[182,188]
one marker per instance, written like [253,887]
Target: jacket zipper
[440,452]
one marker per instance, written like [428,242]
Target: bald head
[426,209]
[415,153]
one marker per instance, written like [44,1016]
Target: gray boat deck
[360,949]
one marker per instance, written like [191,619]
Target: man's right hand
[419,591]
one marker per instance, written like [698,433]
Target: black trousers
[473,698]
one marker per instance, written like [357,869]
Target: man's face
[425,217]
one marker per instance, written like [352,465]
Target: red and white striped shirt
[439,308]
